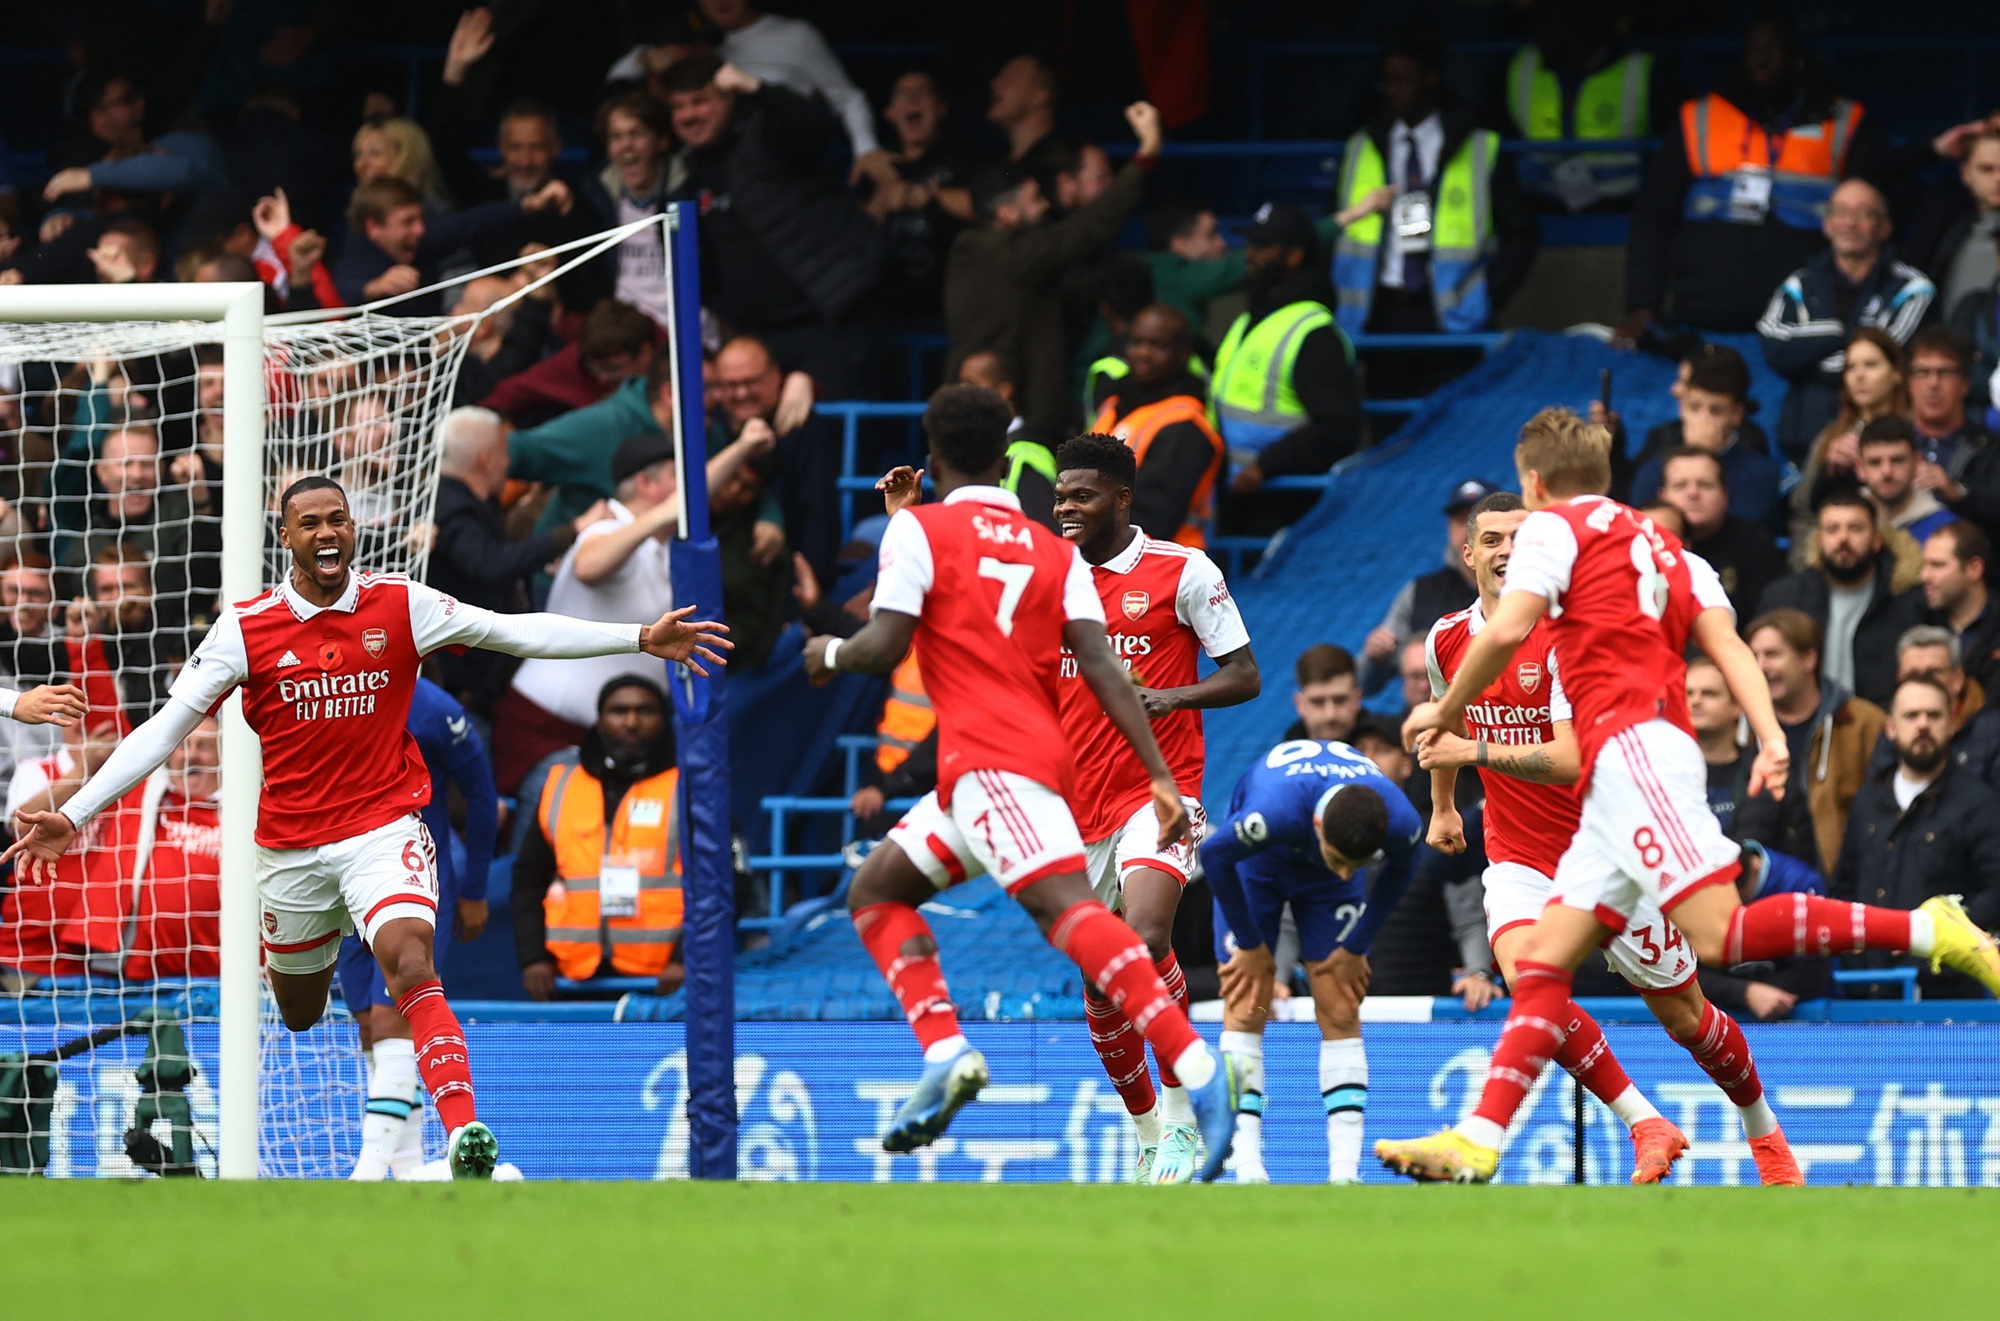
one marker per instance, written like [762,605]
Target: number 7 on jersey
[1013,580]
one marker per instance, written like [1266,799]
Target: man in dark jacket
[1850,593]
[393,247]
[1930,651]
[1958,460]
[1924,828]
[1002,288]
[1957,596]
[1856,282]
[786,254]
[1744,554]
[473,560]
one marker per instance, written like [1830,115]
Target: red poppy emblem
[1530,675]
[375,640]
[330,657]
[1136,604]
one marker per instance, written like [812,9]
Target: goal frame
[239,307]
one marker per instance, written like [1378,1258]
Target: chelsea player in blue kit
[1305,823]
[392,1126]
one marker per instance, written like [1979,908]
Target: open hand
[51,704]
[901,487]
[676,638]
[471,39]
[41,838]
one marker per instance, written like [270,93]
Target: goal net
[112,468]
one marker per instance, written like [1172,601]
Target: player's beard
[1852,575]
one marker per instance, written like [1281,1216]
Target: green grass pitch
[291,1251]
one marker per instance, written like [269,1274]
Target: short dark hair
[1170,220]
[691,72]
[1323,661]
[994,186]
[625,681]
[1945,341]
[613,328]
[1098,452]
[1845,497]
[1799,629]
[527,107]
[1003,364]
[1889,429]
[1355,823]
[642,106]
[1694,452]
[1719,369]
[966,426]
[1968,541]
[1499,502]
[375,199]
[304,486]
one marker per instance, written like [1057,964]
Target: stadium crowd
[1853,526]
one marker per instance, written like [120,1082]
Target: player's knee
[1707,949]
[405,965]
[1680,1015]
[1158,935]
[301,1016]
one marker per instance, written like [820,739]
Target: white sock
[1759,1120]
[1148,1125]
[1632,1106]
[1175,1108]
[1247,1050]
[1923,934]
[938,1052]
[1482,1131]
[1343,1085]
[392,1090]
[409,1155]
[1196,1066]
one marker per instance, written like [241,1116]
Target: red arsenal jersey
[991,591]
[1163,604]
[1623,595]
[177,930]
[1526,823]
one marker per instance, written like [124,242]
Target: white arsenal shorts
[1137,844]
[999,824]
[1650,953]
[1646,833]
[312,897]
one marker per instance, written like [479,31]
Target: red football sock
[1114,960]
[1533,1036]
[1719,1047]
[916,979]
[1788,925]
[441,1054]
[1175,981]
[1587,1056]
[1123,1051]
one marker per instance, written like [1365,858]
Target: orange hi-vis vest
[1804,163]
[645,836]
[1138,429]
[907,718]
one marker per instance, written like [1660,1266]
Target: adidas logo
[288,660]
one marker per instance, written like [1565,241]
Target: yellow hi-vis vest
[1610,103]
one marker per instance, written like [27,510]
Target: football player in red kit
[327,661]
[1521,739]
[1626,598]
[990,599]
[1165,604]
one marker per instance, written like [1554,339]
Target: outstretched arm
[438,621]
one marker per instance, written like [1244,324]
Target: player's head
[631,719]
[317,529]
[1353,825]
[1489,540]
[1094,476]
[967,430]
[1560,455]
[1328,696]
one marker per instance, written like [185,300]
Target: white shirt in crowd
[1429,137]
[638,593]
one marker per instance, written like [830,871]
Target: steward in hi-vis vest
[1157,406]
[1608,97]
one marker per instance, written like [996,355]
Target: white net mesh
[110,470]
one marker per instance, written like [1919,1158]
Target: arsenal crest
[1136,604]
[1530,675]
[330,657]
[375,640]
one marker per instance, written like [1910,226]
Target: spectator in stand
[1579,79]
[614,346]
[1191,262]
[1745,555]
[786,254]
[506,341]
[1955,594]
[1957,459]
[667,35]
[32,652]
[928,202]
[290,258]
[1965,260]
[1031,452]
[175,924]
[1002,285]
[394,248]
[124,621]
[570,919]
[638,134]
[398,148]
[1159,408]
[1718,727]
[1023,106]
[1888,472]
[791,53]
[1735,197]
[1829,731]
[1327,694]
[181,165]
[1859,587]
[123,249]
[133,509]
[1925,828]
[1856,282]
[1458,235]
[1930,651]
[1308,417]
[1872,386]
[473,559]
[1712,396]
[749,398]
[1429,597]
[757,575]
[1414,667]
